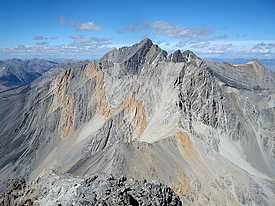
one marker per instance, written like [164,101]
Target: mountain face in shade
[17,72]
[203,128]
[132,59]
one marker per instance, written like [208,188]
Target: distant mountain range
[17,72]
[269,63]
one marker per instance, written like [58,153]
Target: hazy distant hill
[269,63]
[17,72]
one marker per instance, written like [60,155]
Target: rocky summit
[199,132]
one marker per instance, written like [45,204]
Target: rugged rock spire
[176,56]
[134,57]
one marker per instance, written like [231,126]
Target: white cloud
[80,40]
[199,45]
[43,38]
[166,29]
[218,48]
[132,28]
[42,43]
[79,47]
[84,26]
[225,48]
[88,26]
[170,30]
[264,48]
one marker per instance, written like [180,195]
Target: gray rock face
[52,189]
[185,56]
[131,59]
[205,129]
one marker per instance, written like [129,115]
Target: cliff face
[206,129]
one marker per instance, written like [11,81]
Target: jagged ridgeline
[205,129]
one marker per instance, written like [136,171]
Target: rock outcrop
[65,190]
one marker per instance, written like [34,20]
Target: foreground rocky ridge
[65,190]
[205,129]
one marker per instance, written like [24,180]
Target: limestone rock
[52,189]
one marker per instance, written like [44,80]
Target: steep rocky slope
[205,129]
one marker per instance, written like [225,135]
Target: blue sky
[87,29]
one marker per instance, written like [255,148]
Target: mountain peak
[176,56]
[185,56]
[146,41]
[190,54]
[134,57]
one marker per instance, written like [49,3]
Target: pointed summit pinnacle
[146,41]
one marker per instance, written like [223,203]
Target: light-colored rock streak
[130,105]
[137,109]
[98,75]
[64,101]
[231,152]
[90,128]
[166,116]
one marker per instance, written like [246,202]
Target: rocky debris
[64,190]
[15,195]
